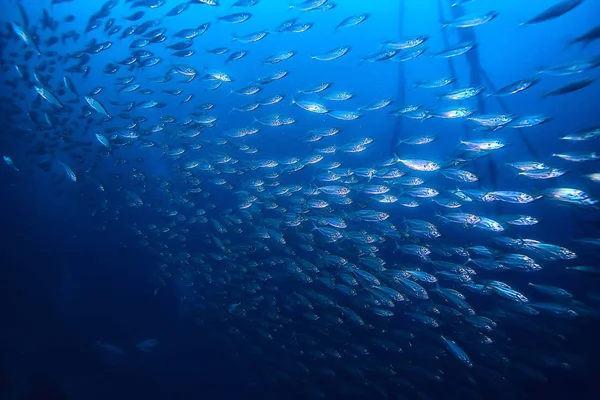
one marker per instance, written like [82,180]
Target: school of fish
[397,277]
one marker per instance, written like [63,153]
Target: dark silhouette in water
[554,11]
[586,38]
[570,87]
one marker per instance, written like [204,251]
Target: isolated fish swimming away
[253,149]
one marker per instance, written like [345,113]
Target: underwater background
[192,237]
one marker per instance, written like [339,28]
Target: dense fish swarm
[243,159]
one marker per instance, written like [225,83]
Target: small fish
[147,346]
[529,121]
[103,140]
[237,18]
[594,177]
[344,115]
[48,96]
[509,197]
[319,87]
[420,164]
[26,37]
[311,106]
[572,68]
[572,196]
[515,87]
[279,57]
[554,11]
[458,352]
[378,105]
[352,21]
[252,37]
[332,54]
[69,172]
[245,3]
[452,112]
[457,50]
[583,135]
[544,173]
[135,16]
[236,55]
[308,5]
[482,144]
[578,156]
[463,93]
[178,9]
[337,96]
[469,21]
[570,87]
[97,106]
[436,83]
[587,37]
[10,163]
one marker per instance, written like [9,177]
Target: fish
[515,87]
[571,196]
[470,21]
[97,106]
[553,12]
[308,5]
[570,87]
[147,345]
[436,83]
[406,43]
[47,95]
[572,68]
[252,37]
[463,93]
[69,172]
[25,37]
[586,38]
[458,352]
[352,21]
[457,50]
[10,163]
[103,140]
[332,54]
[311,106]
[237,18]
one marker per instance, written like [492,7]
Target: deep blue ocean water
[82,267]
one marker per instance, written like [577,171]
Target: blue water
[82,268]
